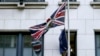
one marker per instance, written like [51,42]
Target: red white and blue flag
[56,19]
[38,30]
[58,16]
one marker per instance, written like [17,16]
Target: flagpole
[68,54]
[67,1]
[68,28]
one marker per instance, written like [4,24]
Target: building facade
[16,16]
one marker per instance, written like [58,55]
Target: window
[23,4]
[70,0]
[97,43]
[27,41]
[8,44]
[27,50]
[22,0]
[16,44]
[96,0]
[73,4]
[34,0]
[95,4]
[9,0]
[73,43]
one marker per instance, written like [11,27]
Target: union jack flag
[56,19]
[38,27]
[58,16]
[38,30]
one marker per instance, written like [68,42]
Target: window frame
[3,33]
[72,5]
[95,4]
[75,32]
[96,1]
[96,33]
[20,36]
[70,1]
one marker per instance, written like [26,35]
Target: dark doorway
[73,43]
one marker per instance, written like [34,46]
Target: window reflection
[8,45]
[8,41]
[27,41]
[97,42]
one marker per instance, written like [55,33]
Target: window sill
[14,30]
[95,5]
[73,5]
[26,5]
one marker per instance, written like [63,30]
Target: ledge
[14,30]
[40,5]
[95,5]
[26,5]
[73,5]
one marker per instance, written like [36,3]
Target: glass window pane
[27,52]
[70,0]
[1,41]
[7,45]
[1,45]
[98,44]
[1,51]
[28,49]
[34,0]
[9,0]
[10,44]
[10,51]
[27,45]
[27,41]
[10,41]
[97,0]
